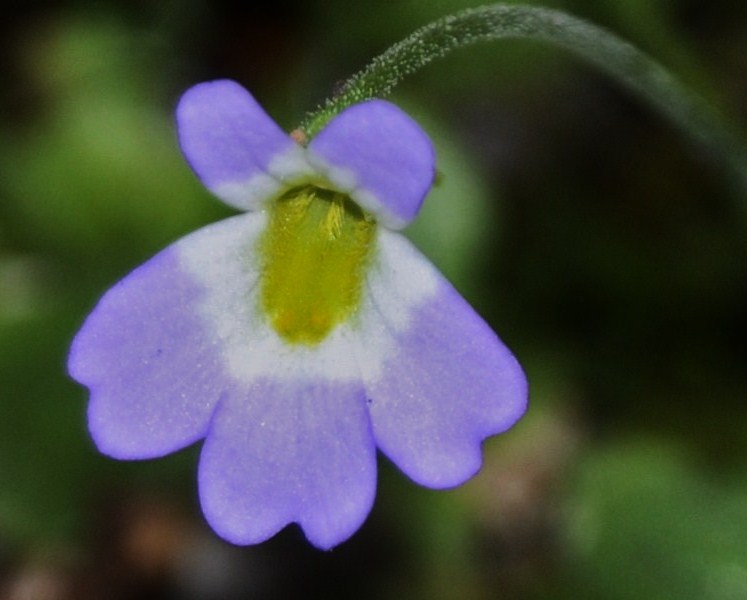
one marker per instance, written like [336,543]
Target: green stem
[618,58]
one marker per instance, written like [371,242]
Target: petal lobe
[236,149]
[281,452]
[449,383]
[151,366]
[379,155]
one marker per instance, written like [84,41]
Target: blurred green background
[606,249]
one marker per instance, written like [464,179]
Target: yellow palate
[314,255]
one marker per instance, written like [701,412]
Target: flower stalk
[621,60]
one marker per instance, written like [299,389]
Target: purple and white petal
[236,149]
[282,451]
[380,156]
[448,383]
[154,366]
[226,263]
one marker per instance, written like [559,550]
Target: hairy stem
[613,55]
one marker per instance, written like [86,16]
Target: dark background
[606,249]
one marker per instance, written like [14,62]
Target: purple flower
[301,335]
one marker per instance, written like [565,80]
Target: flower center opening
[315,252]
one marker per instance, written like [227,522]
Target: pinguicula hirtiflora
[301,335]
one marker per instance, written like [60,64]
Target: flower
[301,335]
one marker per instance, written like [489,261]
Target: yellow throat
[314,256]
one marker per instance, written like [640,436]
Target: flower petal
[153,364]
[237,150]
[449,383]
[380,156]
[282,451]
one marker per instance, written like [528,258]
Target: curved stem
[613,55]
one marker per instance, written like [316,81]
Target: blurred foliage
[607,252]
[648,524]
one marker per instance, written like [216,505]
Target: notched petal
[152,368]
[283,451]
[449,384]
[155,363]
